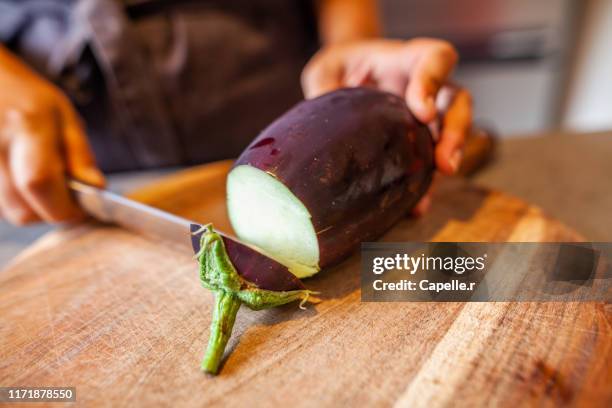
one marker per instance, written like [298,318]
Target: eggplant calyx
[218,274]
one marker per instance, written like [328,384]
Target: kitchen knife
[151,222]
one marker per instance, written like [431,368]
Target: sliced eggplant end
[274,220]
[218,274]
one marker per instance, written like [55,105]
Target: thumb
[320,76]
[431,71]
[80,160]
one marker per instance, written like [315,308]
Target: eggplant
[330,173]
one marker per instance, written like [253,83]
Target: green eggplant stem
[218,274]
[224,316]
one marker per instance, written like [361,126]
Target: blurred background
[531,65]
[539,72]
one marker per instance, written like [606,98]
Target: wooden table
[569,175]
[125,321]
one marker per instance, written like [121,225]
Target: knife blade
[249,261]
[112,208]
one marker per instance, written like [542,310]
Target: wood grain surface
[125,321]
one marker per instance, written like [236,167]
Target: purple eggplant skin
[257,268]
[252,265]
[358,160]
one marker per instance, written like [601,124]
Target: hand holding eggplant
[415,70]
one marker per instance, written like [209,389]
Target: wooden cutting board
[125,321]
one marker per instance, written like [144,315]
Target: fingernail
[429,102]
[352,81]
[428,106]
[455,160]
[424,205]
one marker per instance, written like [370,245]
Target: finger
[80,160]
[395,84]
[38,173]
[321,75]
[423,205]
[456,124]
[357,74]
[445,97]
[430,72]
[13,208]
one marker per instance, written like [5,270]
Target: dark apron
[162,83]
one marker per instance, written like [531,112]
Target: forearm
[342,21]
